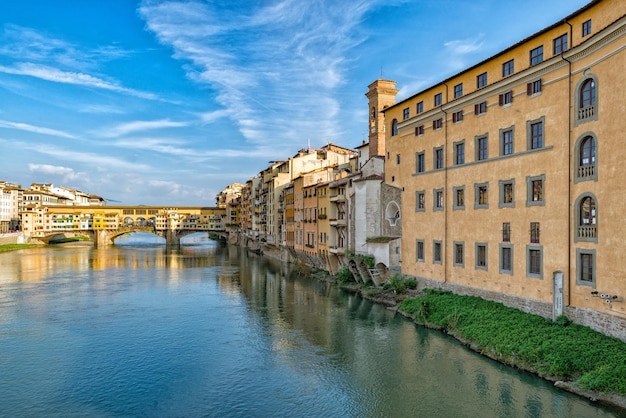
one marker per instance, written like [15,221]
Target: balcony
[338,199]
[336,250]
[337,222]
[587,232]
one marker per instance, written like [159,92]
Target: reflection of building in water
[36,264]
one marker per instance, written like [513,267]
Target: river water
[211,331]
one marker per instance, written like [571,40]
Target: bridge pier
[102,238]
[171,238]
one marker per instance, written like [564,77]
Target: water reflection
[215,331]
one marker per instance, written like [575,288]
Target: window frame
[420,162]
[420,201]
[459,245]
[438,199]
[437,124]
[458,90]
[532,274]
[481,80]
[459,158]
[480,190]
[584,112]
[457,116]
[531,192]
[503,143]
[505,99]
[559,44]
[394,127]
[406,113]
[455,200]
[437,252]
[438,99]
[586,28]
[536,56]
[580,252]
[480,108]
[481,147]
[419,130]
[501,250]
[477,256]
[419,107]
[534,87]
[586,171]
[530,137]
[506,231]
[585,232]
[508,68]
[501,186]
[534,230]
[419,248]
[438,158]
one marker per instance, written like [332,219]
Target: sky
[161,102]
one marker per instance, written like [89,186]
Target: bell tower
[381,94]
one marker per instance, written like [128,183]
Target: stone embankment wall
[13,238]
[607,324]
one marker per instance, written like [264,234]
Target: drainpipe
[445,189]
[569,171]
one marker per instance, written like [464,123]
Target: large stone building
[511,174]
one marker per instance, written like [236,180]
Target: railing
[586,112]
[588,170]
[588,231]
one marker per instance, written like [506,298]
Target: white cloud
[55,75]
[36,129]
[137,126]
[459,52]
[67,174]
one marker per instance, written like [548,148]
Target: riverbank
[574,358]
[13,247]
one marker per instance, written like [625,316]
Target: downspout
[445,189]
[569,171]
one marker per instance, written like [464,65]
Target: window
[480,108]
[438,99]
[535,133]
[438,158]
[533,87]
[419,250]
[481,80]
[420,162]
[419,130]
[459,153]
[506,259]
[437,123]
[458,254]
[507,189]
[586,267]
[535,232]
[534,261]
[505,98]
[481,256]
[482,148]
[586,219]
[457,116]
[397,158]
[406,113]
[560,44]
[586,100]
[438,197]
[437,252]
[419,108]
[394,127]
[458,90]
[506,141]
[506,232]
[481,196]
[508,68]
[535,187]
[587,27]
[586,159]
[536,56]
[420,201]
[459,197]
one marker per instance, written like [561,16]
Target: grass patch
[556,349]
[13,247]
[70,239]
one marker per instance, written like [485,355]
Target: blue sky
[167,102]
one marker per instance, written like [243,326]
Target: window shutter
[434,124]
[539,85]
[529,89]
[475,109]
[454,117]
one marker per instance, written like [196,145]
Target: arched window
[586,218]
[586,151]
[392,213]
[394,127]
[373,113]
[588,93]
[586,98]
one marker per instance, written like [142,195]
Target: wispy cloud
[138,126]
[35,129]
[459,52]
[261,61]
[47,73]
[65,173]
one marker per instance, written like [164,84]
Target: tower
[381,94]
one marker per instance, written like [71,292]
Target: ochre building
[512,175]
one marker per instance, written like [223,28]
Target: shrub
[344,275]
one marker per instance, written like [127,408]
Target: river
[211,331]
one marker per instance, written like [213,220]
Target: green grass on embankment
[558,350]
[11,247]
